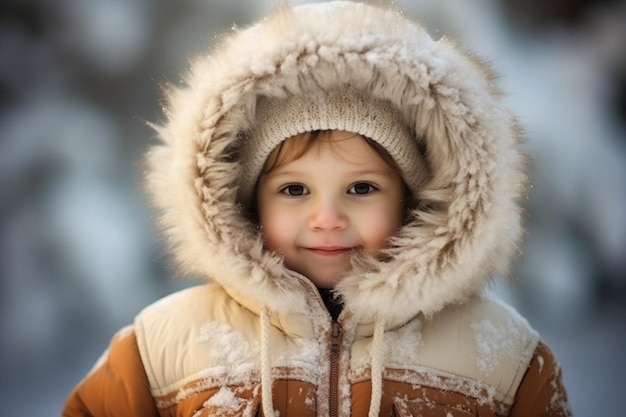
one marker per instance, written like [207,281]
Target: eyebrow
[382,173]
[279,173]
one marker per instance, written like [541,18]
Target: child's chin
[327,281]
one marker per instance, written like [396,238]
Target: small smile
[330,251]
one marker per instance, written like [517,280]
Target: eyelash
[288,189]
[371,188]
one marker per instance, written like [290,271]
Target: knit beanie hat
[345,109]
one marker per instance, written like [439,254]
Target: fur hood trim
[467,223]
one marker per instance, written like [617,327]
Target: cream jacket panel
[203,334]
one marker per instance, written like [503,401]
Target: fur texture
[467,223]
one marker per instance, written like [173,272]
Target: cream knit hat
[278,119]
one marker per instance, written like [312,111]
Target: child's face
[337,198]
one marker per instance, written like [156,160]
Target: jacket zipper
[335,350]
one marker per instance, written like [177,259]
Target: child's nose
[328,215]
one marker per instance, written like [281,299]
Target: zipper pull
[335,335]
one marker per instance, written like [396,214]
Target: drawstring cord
[266,364]
[377,368]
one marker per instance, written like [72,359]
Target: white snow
[227,344]
[399,351]
[494,343]
[223,398]
[226,401]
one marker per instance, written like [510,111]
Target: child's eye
[362,188]
[294,190]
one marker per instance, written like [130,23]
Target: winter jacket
[416,336]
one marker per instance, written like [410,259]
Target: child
[348,187]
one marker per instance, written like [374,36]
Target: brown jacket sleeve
[117,387]
[541,393]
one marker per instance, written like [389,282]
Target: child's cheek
[277,228]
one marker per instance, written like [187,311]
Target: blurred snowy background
[78,253]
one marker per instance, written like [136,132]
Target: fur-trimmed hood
[468,222]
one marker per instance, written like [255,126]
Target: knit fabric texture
[278,119]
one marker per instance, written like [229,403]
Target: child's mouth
[330,251]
